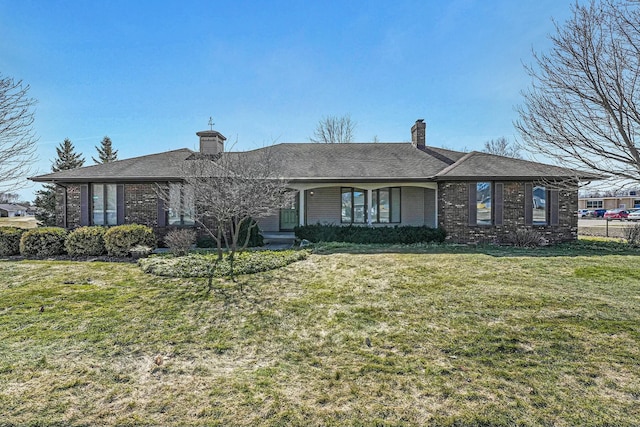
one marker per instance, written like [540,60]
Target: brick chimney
[419,134]
[211,142]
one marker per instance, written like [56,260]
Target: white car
[634,215]
[583,213]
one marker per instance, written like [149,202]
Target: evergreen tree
[67,157]
[45,201]
[106,153]
[45,204]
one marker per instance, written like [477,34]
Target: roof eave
[105,179]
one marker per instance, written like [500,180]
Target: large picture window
[594,204]
[104,204]
[385,205]
[181,204]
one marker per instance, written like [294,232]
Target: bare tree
[17,138]
[582,108]
[6,197]
[502,147]
[334,129]
[225,193]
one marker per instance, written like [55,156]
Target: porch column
[301,212]
[369,207]
[437,204]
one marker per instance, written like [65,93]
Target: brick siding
[453,215]
[141,207]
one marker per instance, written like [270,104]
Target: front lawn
[410,336]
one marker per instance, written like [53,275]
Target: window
[594,204]
[181,204]
[484,199]
[354,205]
[104,204]
[485,203]
[385,205]
[539,205]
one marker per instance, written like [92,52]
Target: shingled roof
[492,167]
[333,162]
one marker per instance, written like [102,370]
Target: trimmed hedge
[10,240]
[361,234]
[121,239]
[86,241]
[45,241]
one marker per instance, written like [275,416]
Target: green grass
[458,336]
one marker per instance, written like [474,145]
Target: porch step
[279,238]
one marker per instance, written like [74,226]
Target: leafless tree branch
[17,138]
[229,190]
[582,107]
[334,129]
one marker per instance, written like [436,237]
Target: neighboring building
[11,210]
[629,200]
[475,197]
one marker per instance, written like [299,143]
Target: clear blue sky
[149,74]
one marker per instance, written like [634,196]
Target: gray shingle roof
[331,162]
[489,166]
[161,166]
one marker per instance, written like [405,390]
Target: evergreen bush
[86,241]
[255,239]
[45,241]
[119,240]
[361,234]
[10,240]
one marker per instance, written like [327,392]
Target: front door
[289,216]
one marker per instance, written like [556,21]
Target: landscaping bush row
[85,241]
[360,234]
[206,265]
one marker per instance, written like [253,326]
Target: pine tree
[45,204]
[67,157]
[106,153]
[45,201]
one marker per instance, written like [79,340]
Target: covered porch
[358,203]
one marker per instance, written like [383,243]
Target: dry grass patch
[418,338]
[19,221]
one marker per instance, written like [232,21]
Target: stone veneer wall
[453,215]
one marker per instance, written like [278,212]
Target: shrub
[121,239]
[179,241]
[45,241]
[525,238]
[10,240]
[203,265]
[205,241]
[255,239]
[86,241]
[360,234]
[632,234]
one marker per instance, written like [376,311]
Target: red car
[616,214]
